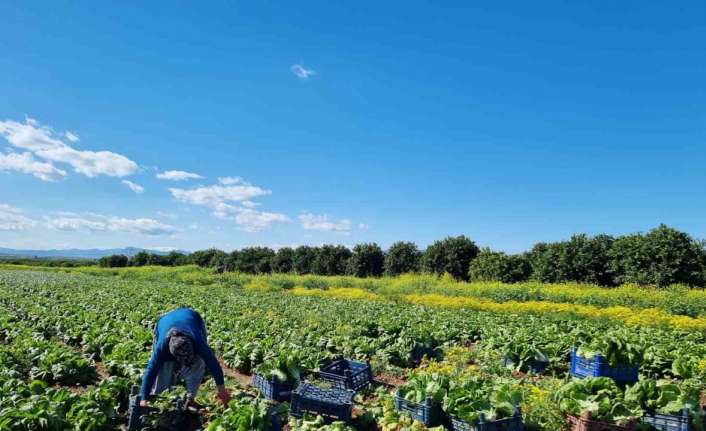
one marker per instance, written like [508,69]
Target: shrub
[367,260]
[497,266]
[450,255]
[283,262]
[402,257]
[331,260]
[113,261]
[662,257]
[303,259]
[253,260]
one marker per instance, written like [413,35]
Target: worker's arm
[205,352]
[152,370]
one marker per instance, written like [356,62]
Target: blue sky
[510,123]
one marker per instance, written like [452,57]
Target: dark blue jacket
[191,323]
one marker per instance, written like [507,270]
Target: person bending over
[181,352]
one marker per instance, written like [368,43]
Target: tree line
[661,257]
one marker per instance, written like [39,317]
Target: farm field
[73,341]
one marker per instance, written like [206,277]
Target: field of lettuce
[73,342]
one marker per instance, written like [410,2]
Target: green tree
[497,266]
[113,261]
[662,257]
[140,259]
[283,262]
[254,260]
[207,258]
[402,257]
[303,259]
[367,260]
[451,255]
[331,260]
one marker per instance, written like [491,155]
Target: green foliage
[283,262]
[498,266]
[303,260]
[367,260]
[331,260]
[113,261]
[451,255]
[662,257]
[401,258]
[253,260]
[581,259]
[207,258]
[619,347]
[599,397]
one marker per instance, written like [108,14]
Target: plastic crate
[584,424]
[536,367]
[330,403]
[513,423]
[272,388]
[662,422]
[347,374]
[428,413]
[596,367]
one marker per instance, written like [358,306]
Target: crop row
[111,319]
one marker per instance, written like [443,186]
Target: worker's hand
[144,403]
[223,395]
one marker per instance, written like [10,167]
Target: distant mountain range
[75,253]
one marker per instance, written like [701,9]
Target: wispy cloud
[322,222]
[43,143]
[11,218]
[232,199]
[71,136]
[301,72]
[26,163]
[134,187]
[178,176]
[99,223]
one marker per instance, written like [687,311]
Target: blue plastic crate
[513,423]
[428,413]
[536,367]
[662,422]
[347,374]
[331,403]
[272,388]
[596,367]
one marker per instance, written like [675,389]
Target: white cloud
[47,145]
[178,176]
[12,219]
[26,163]
[363,226]
[213,195]
[231,200]
[134,187]
[171,216]
[302,72]
[228,181]
[73,137]
[251,220]
[97,222]
[322,222]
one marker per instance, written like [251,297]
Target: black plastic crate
[428,413]
[331,403]
[536,367]
[597,367]
[347,374]
[272,388]
[662,422]
[513,423]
